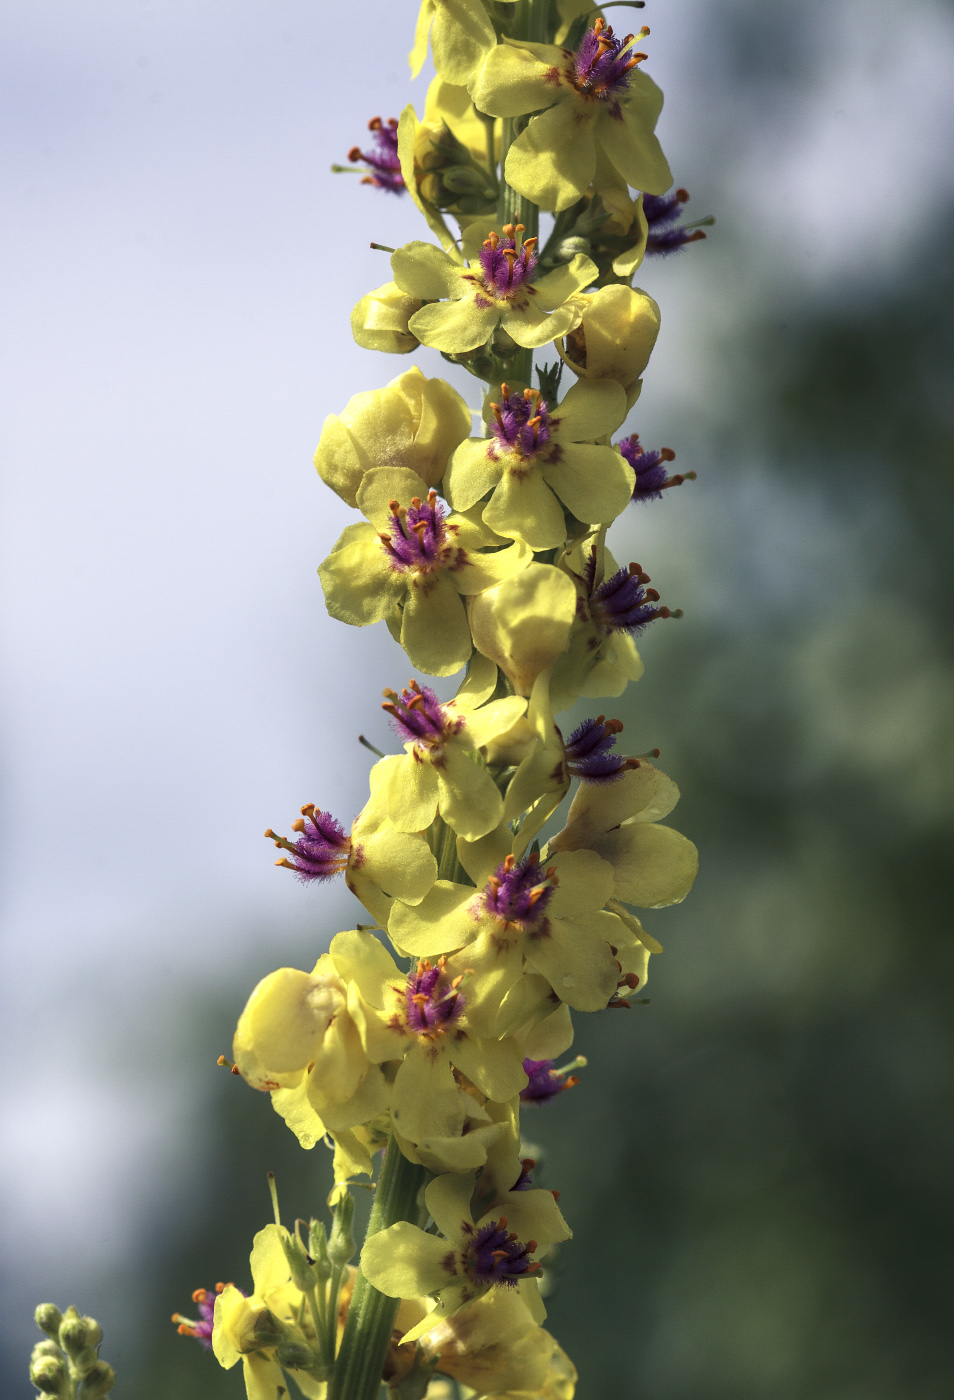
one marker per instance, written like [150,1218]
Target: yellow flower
[499,288]
[591,102]
[598,660]
[653,866]
[614,338]
[413,422]
[470,1257]
[297,1040]
[249,1329]
[411,565]
[492,1345]
[379,320]
[523,624]
[377,861]
[541,459]
[425,1019]
[441,770]
[550,916]
[461,37]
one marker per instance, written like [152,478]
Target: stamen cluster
[623,604]
[508,262]
[432,1001]
[589,751]
[496,1256]
[418,714]
[518,893]
[521,423]
[419,538]
[602,63]
[322,850]
[384,167]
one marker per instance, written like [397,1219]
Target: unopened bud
[467,179]
[297,1357]
[49,1376]
[48,1318]
[99,1381]
[78,1334]
[318,1249]
[302,1271]
[341,1244]
[567,249]
[47,1348]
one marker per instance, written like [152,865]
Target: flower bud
[318,1249]
[297,1357]
[412,422]
[47,1348]
[304,1275]
[79,1335]
[48,1374]
[523,623]
[99,1381]
[48,1318]
[615,337]
[341,1245]
[379,321]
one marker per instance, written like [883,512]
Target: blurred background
[759,1165]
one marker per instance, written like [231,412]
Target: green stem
[531,23]
[367,1333]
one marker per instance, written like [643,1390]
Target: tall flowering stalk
[486,920]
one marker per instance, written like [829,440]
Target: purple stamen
[544,1084]
[521,423]
[418,714]
[204,1298]
[384,167]
[652,478]
[519,894]
[588,752]
[602,63]
[418,538]
[431,1001]
[622,604]
[494,1256]
[507,263]
[524,1181]
[322,850]
[662,211]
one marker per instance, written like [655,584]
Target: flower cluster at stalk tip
[505,856]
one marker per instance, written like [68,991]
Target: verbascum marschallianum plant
[480,540]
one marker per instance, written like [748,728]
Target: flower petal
[421,270]
[434,628]
[358,583]
[448,1200]
[654,865]
[523,507]
[425,1101]
[411,791]
[585,884]
[516,80]
[575,957]
[404,1262]
[471,473]
[595,483]
[468,797]
[495,1066]
[590,410]
[455,326]
[629,140]
[554,159]
[444,920]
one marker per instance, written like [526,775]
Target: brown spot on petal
[448,1263]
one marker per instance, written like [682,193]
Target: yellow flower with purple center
[539,460]
[425,1019]
[551,917]
[499,288]
[377,861]
[591,102]
[410,565]
[470,1257]
[441,770]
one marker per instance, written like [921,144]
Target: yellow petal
[631,144]
[589,410]
[468,799]
[411,790]
[421,270]
[379,320]
[455,326]
[404,1262]
[359,585]
[495,1066]
[447,1198]
[585,884]
[434,628]
[654,865]
[523,623]
[513,80]
[337,461]
[554,159]
[524,507]
[400,862]
[425,1102]
[575,957]
[643,792]
[471,473]
[444,920]
[594,483]
[461,38]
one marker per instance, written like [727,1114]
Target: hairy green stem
[364,1346]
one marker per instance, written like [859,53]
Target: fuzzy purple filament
[507,264]
[494,1256]
[521,422]
[622,604]
[384,166]
[431,1002]
[650,468]
[602,63]
[417,536]
[589,755]
[519,894]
